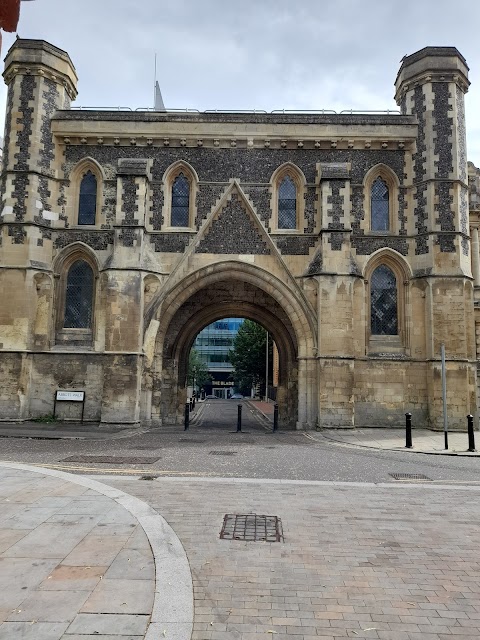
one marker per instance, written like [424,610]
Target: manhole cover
[410,476]
[113,459]
[252,528]
[222,453]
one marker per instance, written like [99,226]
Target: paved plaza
[119,551]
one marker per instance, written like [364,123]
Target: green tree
[197,370]
[248,355]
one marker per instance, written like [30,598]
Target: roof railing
[247,111]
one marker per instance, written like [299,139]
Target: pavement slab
[83,562]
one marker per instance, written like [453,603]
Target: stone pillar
[475,257]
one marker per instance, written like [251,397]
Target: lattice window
[287,204]
[87,202]
[180,216]
[384,308]
[79,296]
[380,205]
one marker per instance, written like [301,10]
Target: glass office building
[213,344]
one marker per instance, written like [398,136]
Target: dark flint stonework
[95,240]
[358,213]
[402,217]
[232,232]
[157,205]
[368,244]
[444,197]
[446,243]
[254,166]
[311,197]
[295,245]
[336,240]
[207,196]
[109,202]
[420,210]
[336,200]
[51,99]
[403,104]
[44,193]
[443,127]
[316,265]
[173,242]
[127,237]
[19,195]
[27,87]
[17,233]
[464,219]
[129,200]
[461,135]
[6,141]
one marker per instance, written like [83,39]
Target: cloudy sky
[251,54]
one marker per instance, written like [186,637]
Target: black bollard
[275,417]
[471,434]
[239,418]
[187,415]
[408,431]
[191,404]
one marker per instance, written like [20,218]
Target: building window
[79,296]
[287,204]
[383,302]
[180,202]
[379,205]
[87,201]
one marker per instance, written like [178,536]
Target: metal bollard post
[239,418]
[275,417]
[471,434]
[187,415]
[408,431]
[193,401]
[191,404]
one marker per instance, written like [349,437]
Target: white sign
[73,396]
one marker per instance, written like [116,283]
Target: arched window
[287,204]
[383,302]
[380,205]
[180,213]
[87,201]
[79,296]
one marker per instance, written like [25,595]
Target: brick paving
[358,561]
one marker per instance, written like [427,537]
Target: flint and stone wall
[310,284]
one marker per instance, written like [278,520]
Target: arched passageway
[227,291]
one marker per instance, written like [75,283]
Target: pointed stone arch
[233,288]
[298,178]
[172,172]
[85,165]
[389,177]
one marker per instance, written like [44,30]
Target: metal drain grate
[252,528]
[222,453]
[113,459]
[409,476]
[148,477]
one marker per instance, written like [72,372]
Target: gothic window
[79,296]
[379,205]
[180,213]
[87,201]
[287,204]
[383,302]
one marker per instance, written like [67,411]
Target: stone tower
[431,85]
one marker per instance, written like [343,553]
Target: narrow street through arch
[223,415]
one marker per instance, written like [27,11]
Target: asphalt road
[212,448]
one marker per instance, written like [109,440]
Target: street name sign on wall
[65,395]
[73,396]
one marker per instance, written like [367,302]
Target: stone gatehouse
[348,236]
